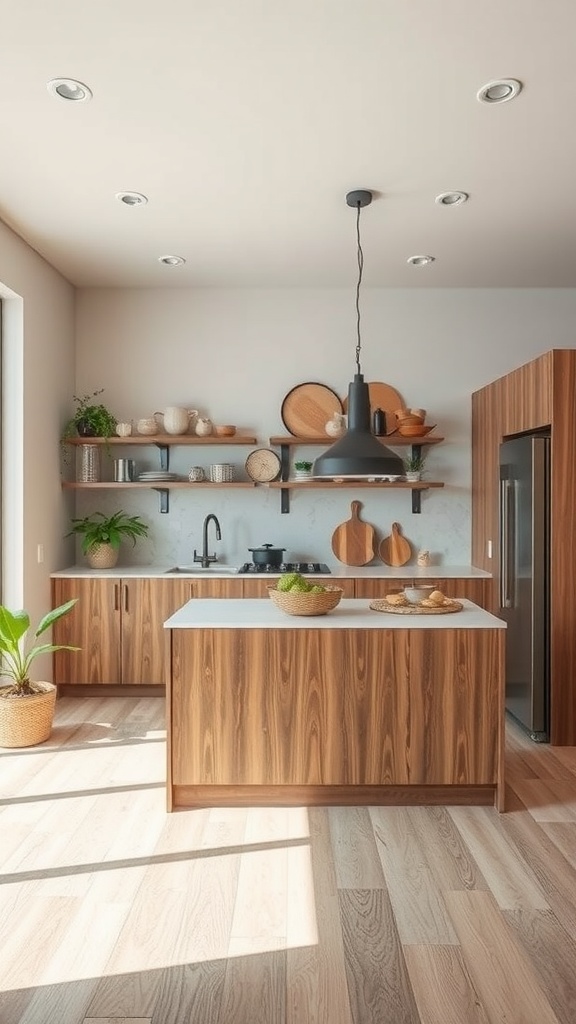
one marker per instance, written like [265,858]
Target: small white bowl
[417,593]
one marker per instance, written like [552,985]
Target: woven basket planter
[26,721]
[102,556]
[296,602]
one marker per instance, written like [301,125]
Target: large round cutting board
[307,408]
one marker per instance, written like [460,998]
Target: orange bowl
[414,429]
[411,420]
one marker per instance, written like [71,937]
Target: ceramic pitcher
[176,419]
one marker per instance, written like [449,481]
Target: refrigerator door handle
[507,542]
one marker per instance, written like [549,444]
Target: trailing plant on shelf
[102,535]
[91,419]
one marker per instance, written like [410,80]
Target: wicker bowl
[296,602]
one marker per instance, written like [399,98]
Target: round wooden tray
[307,408]
[381,605]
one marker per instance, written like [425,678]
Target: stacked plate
[156,476]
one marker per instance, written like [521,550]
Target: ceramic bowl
[227,430]
[418,592]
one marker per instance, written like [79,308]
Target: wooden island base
[336,713]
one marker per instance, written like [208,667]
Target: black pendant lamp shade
[358,454]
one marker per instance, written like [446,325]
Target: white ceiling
[245,122]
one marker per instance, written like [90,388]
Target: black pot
[267,555]
[85,428]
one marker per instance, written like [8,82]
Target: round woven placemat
[381,605]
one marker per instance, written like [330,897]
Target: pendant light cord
[358,283]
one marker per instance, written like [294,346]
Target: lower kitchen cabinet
[118,624]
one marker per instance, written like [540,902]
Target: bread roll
[437,597]
[396,599]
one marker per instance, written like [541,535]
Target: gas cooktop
[309,567]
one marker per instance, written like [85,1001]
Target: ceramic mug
[196,475]
[123,429]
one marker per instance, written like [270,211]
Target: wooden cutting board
[354,542]
[395,550]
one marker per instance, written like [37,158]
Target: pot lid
[267,547]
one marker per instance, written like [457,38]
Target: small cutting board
[354,542]
[395,550]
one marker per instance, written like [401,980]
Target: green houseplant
[102,536]
[303,468]
[26,707]
[414,465]
[91,419]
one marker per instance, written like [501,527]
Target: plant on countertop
[100,529]
[414,463]
[91,419]
[303,467]
[16,657]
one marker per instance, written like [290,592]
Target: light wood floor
[112,910]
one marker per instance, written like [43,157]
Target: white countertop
[337,571]
[351,613]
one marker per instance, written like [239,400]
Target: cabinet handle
[125,596]
[116,599]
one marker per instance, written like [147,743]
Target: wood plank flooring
[112,910]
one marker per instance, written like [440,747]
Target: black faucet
[205,558]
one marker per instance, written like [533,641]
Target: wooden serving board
[381,605]
[307,408]
[354,542]
[395,550]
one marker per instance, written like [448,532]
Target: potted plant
[414,466]
[91,419]
[26,707]
[303,470]
[102,536]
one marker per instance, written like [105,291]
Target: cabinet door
[94,626]
[146,604]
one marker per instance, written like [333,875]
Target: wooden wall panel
[563,550]
[540,394]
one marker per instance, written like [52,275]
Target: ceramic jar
[196,475]
[203,426]
[123,429]
[147,426]
[336,425]
[176,418]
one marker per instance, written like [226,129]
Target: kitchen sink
[211,570]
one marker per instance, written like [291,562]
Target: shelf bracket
[164,499]
[164,458]
[416,494]
[284,476]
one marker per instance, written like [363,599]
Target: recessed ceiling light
[132,198]
[171,261]
[451,198]
[499,91]
[69,89]
[420,261]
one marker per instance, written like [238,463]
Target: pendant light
[358,455]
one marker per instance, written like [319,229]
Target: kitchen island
[353,707]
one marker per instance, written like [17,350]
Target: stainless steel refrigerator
[524,578]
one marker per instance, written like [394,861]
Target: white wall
[38,380]
[235,354]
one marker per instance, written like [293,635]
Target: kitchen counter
[351,613]
[354,707]
[338,571]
